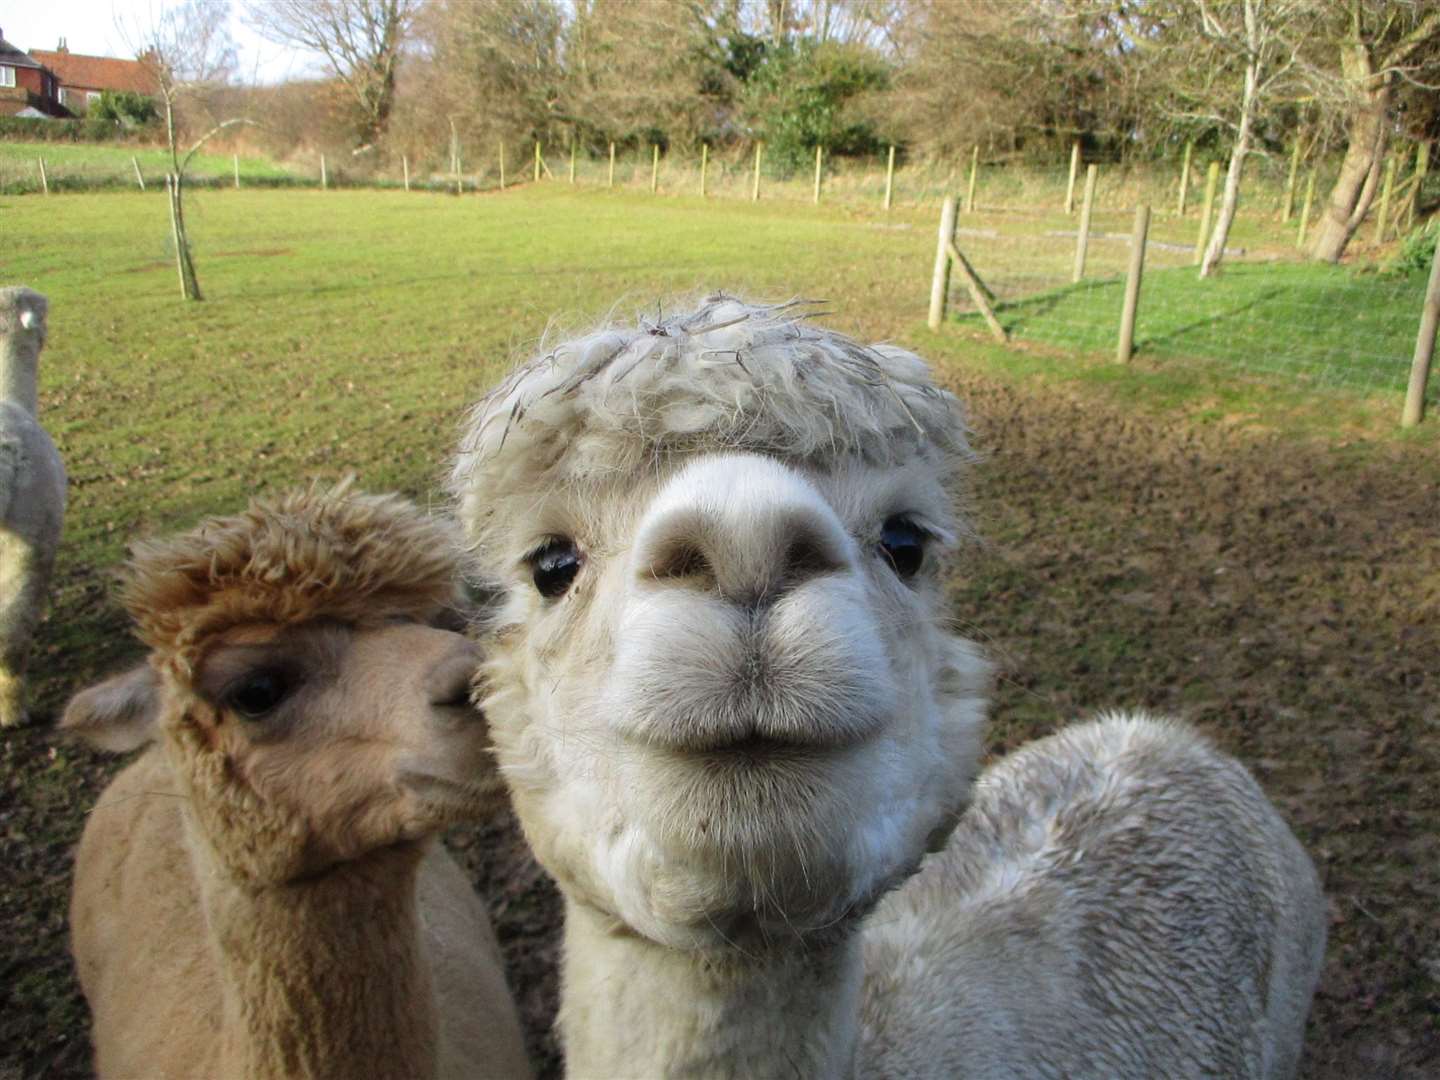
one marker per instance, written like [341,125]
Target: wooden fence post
[1211,179]
[1305,210]
[974,167]
[139,179]
[237,171]
[818,152]
[1422,167]
[502,164]
[1074,171]
[940,279]
[1288,206]
[1383,218]
[324,175]
[755,187]
[1184,179]
[1132,284]
[572,159]
[704,166]
[977,291]
[611,181]
[1082,238]
[405,164]
[537,161]
[655,168]
[889,177]
[44,180]
[1424,347]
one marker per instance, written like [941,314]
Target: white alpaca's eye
[902,542]
[553,566]
[258,693]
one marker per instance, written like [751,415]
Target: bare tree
[361,40]
[1201,49]
[1015,75]
[642,70]
[190,56]
[492,70]
[1367,51]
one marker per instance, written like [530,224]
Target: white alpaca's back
[1120,900]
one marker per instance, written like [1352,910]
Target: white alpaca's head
[721,683]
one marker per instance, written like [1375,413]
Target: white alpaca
[262,894]
[32,493]
[733,717]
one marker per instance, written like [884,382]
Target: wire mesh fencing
[1267,310]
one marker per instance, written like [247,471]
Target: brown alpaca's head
[312,706]
[722,682]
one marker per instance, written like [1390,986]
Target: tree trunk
[1368,130]
[189,283]
[1230,201]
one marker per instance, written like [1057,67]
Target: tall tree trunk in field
[1368,131]
[1230,202]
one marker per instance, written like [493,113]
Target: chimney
[62,47]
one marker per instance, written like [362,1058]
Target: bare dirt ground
[1285,598]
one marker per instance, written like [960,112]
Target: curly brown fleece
[304,555]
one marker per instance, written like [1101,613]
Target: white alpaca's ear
[118,714]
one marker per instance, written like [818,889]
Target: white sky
[89,26]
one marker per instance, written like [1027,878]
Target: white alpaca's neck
[631,1007]
[19,362]
[324,977]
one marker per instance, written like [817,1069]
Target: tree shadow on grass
[1150,342]
[1019,316]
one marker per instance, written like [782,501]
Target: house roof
[11,56]
[97,72]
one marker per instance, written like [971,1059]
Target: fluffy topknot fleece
[314,553]
[727,375]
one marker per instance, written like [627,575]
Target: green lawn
[1316,325]
[96,162]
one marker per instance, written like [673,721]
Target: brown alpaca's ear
[118,714]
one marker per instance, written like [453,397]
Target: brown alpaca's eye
[902,542]
[554,565]
[259,693]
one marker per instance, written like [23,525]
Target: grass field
[1315,325]
[90,163]
[1238,550]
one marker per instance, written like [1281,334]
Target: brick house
[81,79]
[27,88]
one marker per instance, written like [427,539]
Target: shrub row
[85,130]
[30,185]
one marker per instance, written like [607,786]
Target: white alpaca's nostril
[746,527]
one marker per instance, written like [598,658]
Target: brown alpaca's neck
[325,977]
[631,1007]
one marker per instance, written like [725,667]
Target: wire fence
[1273,185]
[1268,311]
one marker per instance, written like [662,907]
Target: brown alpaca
[262,894]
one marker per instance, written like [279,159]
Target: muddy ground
[1285,598]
